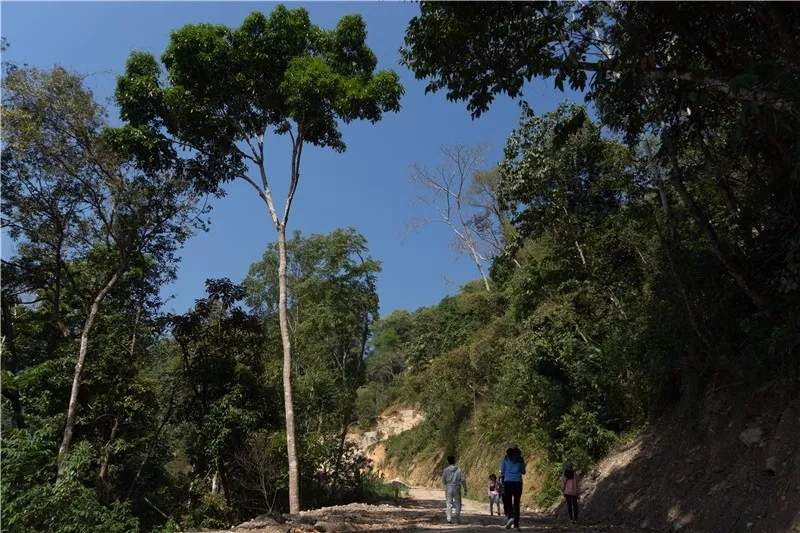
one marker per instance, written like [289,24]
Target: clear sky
[366,187]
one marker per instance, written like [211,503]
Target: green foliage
[332,302]
[374,489]
[647,253]
[227,85]
[34,501]
[477,50]
[209,511]
[221,367]
[81,213]
[161,415]
[175,405]
[582,437]
[405,447]
[612,304]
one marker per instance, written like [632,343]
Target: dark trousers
[572,506]
[512,490]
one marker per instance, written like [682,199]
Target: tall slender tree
[71,196]
[227,88]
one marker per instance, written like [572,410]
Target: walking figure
[512,468]
[571,489]
[494,495]
[453,480]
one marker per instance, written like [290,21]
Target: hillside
[735,468]
[742,453]
[423,469]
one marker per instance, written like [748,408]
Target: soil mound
[735,468]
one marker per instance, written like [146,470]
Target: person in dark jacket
[512,468]
[571,489]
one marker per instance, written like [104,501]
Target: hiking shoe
[509,523]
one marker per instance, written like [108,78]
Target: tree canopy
[225,88]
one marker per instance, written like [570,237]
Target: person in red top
[571,489]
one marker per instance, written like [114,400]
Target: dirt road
[422,511]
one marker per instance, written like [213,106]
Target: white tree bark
[264,192]
[72,410]
[447,186]
[288,403]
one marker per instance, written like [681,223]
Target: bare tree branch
[446,192]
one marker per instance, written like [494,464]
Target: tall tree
[564,185]
[72,197]
[332,304]
[227,88]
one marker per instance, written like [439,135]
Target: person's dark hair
[451,459]
[492,477]
[569,472]
[514,455]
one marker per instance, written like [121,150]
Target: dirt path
[426,507]
[421,511]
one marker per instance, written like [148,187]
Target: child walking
[571,489]
[494,494]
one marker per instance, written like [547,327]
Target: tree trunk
[466,237]
[288,405]
[72,410]
[340,452]
[473,250]
[106,459]
[669,242]
[480,270]
[215,482]
[580,252]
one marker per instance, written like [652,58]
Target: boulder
[751,436]
[771,465]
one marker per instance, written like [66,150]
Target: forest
[631,251]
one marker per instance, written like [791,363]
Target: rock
[259,522]
[329,527]
[717,487]
[751,436]
[771,465]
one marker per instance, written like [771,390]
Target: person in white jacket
[453,480]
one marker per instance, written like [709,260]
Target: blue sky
[366,187]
